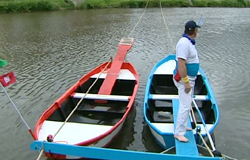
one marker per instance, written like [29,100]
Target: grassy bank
[90,4]
[221,3]
[9,6]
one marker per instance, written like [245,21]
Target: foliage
[33,5]
[175,3]
[220,3]
[90,4]
[8,6]
[247,2]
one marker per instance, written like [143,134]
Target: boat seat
[162,89]
[163,117]
[72,133]
[173,97]
[101,97]
[164,127]
[103,109]
[162,104]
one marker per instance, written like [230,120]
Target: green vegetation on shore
[8,6]
[91,4]
[221,3]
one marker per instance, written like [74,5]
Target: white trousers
[185,100]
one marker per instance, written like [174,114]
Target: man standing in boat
[187,67]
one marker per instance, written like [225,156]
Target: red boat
[103,97]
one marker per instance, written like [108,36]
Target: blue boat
[161,106]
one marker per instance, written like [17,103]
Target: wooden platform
[113,73]
[189,148]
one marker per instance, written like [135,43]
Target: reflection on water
[50,51]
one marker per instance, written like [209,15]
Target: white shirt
[186,50]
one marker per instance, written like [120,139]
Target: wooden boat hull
[94,123]
[160,96]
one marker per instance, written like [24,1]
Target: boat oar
[13,104]
[215,152]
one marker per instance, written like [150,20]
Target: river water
[50,51]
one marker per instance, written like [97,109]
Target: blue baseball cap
[190,25]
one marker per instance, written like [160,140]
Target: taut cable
[166,25]
[139,19]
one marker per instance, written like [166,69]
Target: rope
[204,142]
[195,122]
[167,150]
[228,158]
[166,25]
[209,150]
[41,152]
[40,155]
[224,156]
[139,19]
[71,113]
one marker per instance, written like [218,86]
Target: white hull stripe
[159,137]
[103,142]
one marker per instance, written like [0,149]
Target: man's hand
[187,87]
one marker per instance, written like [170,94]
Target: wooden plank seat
[163,89]
[163,104]
[103,109]
[71,133]
[189,148]
[101,97]
[163,117]
[174,97]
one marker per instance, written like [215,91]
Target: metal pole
[13,104]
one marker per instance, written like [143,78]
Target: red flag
[8,79]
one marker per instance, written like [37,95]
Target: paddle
[215,152]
